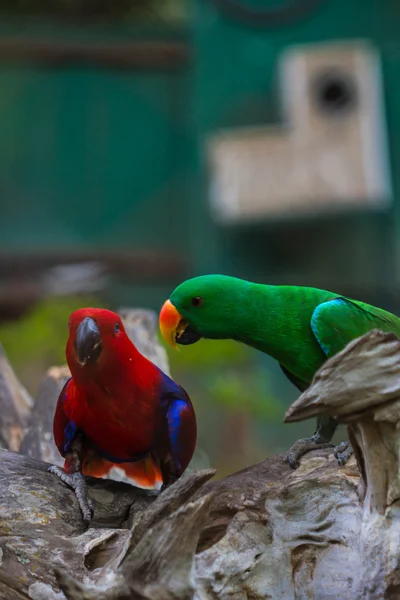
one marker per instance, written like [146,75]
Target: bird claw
[78,484]
[303,446]
[167,485]
[343,452]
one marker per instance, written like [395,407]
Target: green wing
[336,322]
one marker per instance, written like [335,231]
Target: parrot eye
[69,324]
[197,301]
[116,327]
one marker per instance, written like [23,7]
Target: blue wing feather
[175,416]
[181,423]
[69,435]
[319,315]
[64,428]
[338,321]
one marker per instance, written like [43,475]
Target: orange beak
[171,323]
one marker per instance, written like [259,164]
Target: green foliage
[223,378]
[233,401]
[39,338]
[209,355]
[246,392]
[216,373]
[225,373]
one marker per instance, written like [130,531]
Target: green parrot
[300,327]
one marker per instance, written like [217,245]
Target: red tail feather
[144,473]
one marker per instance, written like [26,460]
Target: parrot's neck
[258,318]
[115,368]
[275,320]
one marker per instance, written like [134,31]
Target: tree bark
[360,386]
[320,532]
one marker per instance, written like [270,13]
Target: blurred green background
[108,192]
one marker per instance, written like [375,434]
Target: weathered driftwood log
[38,440]
[265,532]
[43,539]
[15,406]
[360,386]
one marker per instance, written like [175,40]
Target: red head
[95,336]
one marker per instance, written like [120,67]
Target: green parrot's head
[202,307]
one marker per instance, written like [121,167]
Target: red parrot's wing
[64,429]
[182,432]
[179,431]
[144,473]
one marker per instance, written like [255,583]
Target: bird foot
[167,485]
[78,484]
[303,446]
[343,452]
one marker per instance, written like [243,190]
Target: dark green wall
[92,155]
[113,158]
[236,85]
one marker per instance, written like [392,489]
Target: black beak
[87,341]
[188,337]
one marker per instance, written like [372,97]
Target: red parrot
[118,409]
